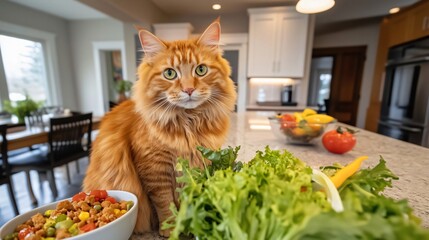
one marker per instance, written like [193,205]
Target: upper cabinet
[420,21]
[277,42]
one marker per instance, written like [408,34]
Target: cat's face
[185,74]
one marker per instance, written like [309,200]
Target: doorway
[232,57]
[105,71]
[335,81]
[234,46]
[114,74]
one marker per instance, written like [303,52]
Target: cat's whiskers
[153,113]
[156,102]
[218,105]
[164,120]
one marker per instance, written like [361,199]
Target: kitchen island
[251,130]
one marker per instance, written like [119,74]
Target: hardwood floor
[41,191]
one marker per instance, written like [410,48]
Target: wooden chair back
[69,138]
[4,167]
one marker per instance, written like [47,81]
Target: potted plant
[122,87]
[22,108]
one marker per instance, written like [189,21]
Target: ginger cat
[183,99]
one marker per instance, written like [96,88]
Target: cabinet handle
[425,23]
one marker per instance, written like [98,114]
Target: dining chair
[5,173]
[35,120]
[56,110]
[69,139]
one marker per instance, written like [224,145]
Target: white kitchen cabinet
[277,42]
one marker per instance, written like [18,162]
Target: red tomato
[339,141]
[24,232]
[288,121]
[100,194]
[111,199]
[288,118]
[88,227]
[79,197]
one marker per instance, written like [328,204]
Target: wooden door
[346,81]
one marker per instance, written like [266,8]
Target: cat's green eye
[201,70]
[170,73]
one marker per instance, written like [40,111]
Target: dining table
[22,136]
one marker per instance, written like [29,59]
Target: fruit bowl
[305,130]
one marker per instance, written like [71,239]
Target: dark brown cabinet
[408,25]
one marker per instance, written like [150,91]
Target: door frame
[238,41]
[102,89]
[336,53]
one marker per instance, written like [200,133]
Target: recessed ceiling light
[394,10]
[216,6]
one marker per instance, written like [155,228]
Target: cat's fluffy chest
[181,134]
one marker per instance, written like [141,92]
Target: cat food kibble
[70,218]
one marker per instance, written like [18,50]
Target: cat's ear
[211,35]
[150,43]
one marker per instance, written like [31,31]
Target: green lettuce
[272,197]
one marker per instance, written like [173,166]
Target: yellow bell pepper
[83,216]
[116,211]
[319,118]
[298,116]
[341,175]
[308,112]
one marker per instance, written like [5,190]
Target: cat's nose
[189,91]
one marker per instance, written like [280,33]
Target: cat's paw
[165,233]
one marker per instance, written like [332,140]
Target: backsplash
[267,89]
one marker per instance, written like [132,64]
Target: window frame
[48,41]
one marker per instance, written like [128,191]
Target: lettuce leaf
[272,197]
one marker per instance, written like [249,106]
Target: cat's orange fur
[140,140]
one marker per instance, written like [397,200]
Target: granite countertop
[409,162]
[278,108]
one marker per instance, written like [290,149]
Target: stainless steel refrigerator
[405,103]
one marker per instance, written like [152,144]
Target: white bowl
[121,228]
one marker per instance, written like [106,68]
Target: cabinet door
[262,34]
[421,22]
[292,52]
[399,30]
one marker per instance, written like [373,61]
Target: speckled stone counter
[409,162]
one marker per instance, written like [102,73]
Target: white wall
[363,35]
[29,18]
[237,23]
[83,33]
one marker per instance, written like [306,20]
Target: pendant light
[314,6]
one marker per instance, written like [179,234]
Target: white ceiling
[343,11]
[68,9]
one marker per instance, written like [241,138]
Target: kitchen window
[28,65]
[23,63]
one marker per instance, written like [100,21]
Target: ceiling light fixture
[394,10]
[216,6]
[314,6]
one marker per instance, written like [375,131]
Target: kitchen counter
[251,130]
[277,108]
